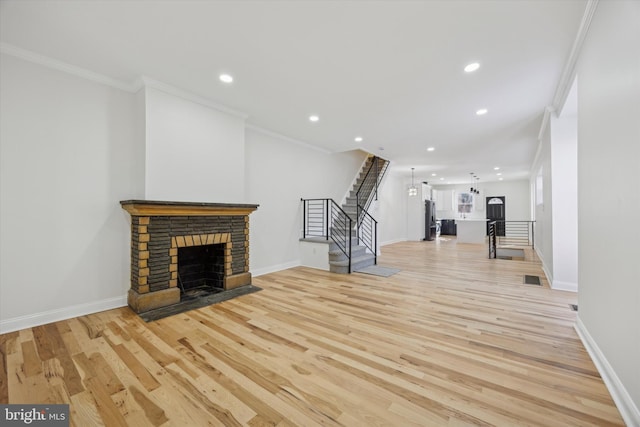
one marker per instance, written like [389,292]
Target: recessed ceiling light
[226,78]
[431,149]
[499,179]
[441,178]
[472,67]
[496,168]
[482,111]
[358,139]
[434,174]
[314,118]
[499,173]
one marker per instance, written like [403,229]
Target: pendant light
[413,190]
[474,184]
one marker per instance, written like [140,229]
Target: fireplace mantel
[165,208]
[159,229]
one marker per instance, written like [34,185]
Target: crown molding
[55,64]
[285,138]
[569,71]
[131,87]
[172,90]
[548,110]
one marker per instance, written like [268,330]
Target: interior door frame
[500,227]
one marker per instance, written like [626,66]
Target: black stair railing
[326,219]
[366,225]
[368,232]
[492,239]
[510,234]
[368,189]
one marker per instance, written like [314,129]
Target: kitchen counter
[471,230]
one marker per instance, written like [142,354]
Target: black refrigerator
[429,220]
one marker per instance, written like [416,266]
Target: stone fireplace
[177,245]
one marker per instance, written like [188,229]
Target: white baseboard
[273,268]
[626,406]
[37,319]
[544,267]
[559,285]
[390,242]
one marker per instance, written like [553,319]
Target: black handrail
[369,185]
[515,233]
[367,232]
[510,233]
[492,240]
[325,218]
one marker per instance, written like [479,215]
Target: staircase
[365,185]
[349,229]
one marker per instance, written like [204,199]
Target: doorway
[496,208]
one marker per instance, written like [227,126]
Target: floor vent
[574,307]
[532,280]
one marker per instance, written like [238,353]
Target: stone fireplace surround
[160,228]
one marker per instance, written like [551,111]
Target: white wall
[194,152]
[564,195]
[278,174]
[68,155]
[541,185]
[608,197]
[392,209]
[517,197]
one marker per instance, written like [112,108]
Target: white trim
[569,71]
[628,410]
[391,242]
[543,126]
[546,271]
[274,268]
[172,90]
[37,319]
[285,138]
[559,285]
[131,87]
[55,64]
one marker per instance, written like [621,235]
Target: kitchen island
[471,230]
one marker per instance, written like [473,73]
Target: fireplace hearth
[180,250]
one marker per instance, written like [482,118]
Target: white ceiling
[389,71]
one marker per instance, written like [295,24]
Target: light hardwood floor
[453,339]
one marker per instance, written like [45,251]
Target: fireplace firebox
[181,246]
[201,267]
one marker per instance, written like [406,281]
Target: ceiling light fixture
[314,118]
[358,139]
[482,112]
[474,180]
[434,174]
[413,190]
[431,149]
[499,173]
[226,78]
[496,168]
[471,67]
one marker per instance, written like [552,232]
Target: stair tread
[354,261]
